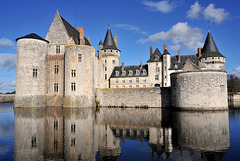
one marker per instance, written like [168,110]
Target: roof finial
[108,25]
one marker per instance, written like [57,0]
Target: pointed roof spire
[100,42]
[210,49]
[108,41]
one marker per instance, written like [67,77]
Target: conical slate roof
[210,49]
[100,42]
[156,56]
[32,36]
[166,52]
[108,41]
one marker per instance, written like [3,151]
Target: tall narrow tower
[109,55]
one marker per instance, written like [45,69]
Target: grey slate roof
[132,68]
[175,65]
[156,56]
[100,42]
[32,36]
[72,32]
[210,49]
[109,42]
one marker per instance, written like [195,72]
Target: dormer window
[156,58]
[123,73]
[130,72]
[144,72]
[137,72]
[117,73]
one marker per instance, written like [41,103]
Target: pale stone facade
[64,70]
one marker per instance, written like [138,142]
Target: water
[117,134]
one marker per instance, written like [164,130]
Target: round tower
[31,71]
[109,56]
[165,68]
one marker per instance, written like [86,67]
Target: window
[55,144]
[116,80]
[105,68]
[123,80]
[137,72]
[130,86]
[79,57]
[34,142]
[56,69]
[117,73]
[144,85]
[73,73]
[130,80]
[58,49]
[105,76]
[137,85]
[144,72]
[73,142]
[116,86]
[123,86]
[105,60]
[113,61]
[144,80]
[34,72]
[73,86]
[130,72]
[156,64]
[73,128]
[123,73]
[165,76]
[156,77]
[137,80]
[55,87]
[55,126]
[157,69]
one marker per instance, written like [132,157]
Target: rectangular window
[34,142]
[156,77]
[79,57]
[73,128]
[144,85]
[56,69]
[58,49]
[55,125]
[34,72]
[137,80]
[130,80]
[113,61]
[55,144]
[55,87]
[73,86]
[73,142]
[105,68]
[130,86]
[157,69]
[123,80]
[105,76]
[73,73]
[105,60]
[137,85]
[144,80]
[117,81]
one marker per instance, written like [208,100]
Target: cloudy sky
[181,24]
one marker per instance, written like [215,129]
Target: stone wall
[4,98]
[199,90]
[134,97]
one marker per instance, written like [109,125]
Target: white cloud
[237,71]
[217,15]
[210,13]
[194,11]
[6,43]
[7,86]
[163,6]
[7,61]
[181,35]
[131,28]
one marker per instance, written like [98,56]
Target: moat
[118,134]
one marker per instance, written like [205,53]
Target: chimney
[122,65]
[141,64]
[150,51]
[115,40]
[164,47]
[199,52]
[178,55]
[81,31]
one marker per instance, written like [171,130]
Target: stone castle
[64,70]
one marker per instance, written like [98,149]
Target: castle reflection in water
[86,134]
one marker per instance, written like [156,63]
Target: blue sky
[181,24]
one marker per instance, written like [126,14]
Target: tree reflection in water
[54,133]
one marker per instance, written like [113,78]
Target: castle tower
[79,73]
[31,71]
[211,56]
[109,55]
[165,67]
[155,68]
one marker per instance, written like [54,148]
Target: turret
[211,56]
[109,54]
[166,66]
